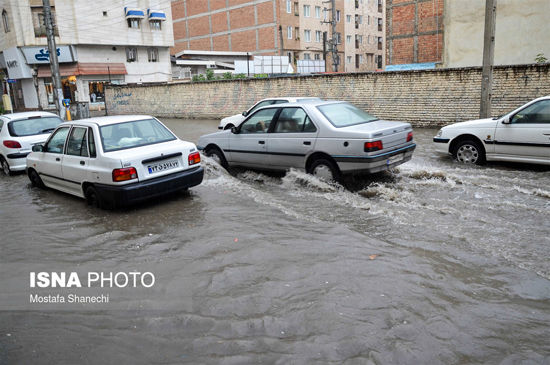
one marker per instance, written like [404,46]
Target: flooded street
[434,263]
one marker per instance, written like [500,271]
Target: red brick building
[414,31]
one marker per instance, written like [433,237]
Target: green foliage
[209,75]
[2,111]
[227,76]
[261,76]
[199,78]
[540,58]
[239,76]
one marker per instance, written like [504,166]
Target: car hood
[478,123]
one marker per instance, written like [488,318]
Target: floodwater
[434,263]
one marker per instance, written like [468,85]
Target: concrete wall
[522,29]
[425,98]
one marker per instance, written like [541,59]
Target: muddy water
[433,263]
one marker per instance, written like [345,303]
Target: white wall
[522,31]
[29,94]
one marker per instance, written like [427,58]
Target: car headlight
[439,133]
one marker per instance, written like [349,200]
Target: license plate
[162,166]
[394,159]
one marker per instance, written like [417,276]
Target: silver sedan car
[324,138]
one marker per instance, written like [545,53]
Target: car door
[76,160]
[247,147]
[50,167]
[293,137]
[527,134]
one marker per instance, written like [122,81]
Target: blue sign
[44,54]
[11,81]
[66,102]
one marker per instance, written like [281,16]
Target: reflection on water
[433,263]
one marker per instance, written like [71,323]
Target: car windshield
[344,114]
[33,126]
[121,136]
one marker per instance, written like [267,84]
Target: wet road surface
[433,263]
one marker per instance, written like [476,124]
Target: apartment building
[295,28]
[415,33]
[97,42]
[364,35]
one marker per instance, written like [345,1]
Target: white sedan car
[237,119]
[325,138]
[522,135]
[115,161]
[19,132]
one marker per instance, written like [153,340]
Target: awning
[78,69]
[156,14]
[134,13]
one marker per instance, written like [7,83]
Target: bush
[209,75]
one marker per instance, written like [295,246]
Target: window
[131,54]
[317,56]
[348,39]
[344,114]
[337,15]
[318,36]
[379,61]
[338,38]
[307,35]
[289,6]
[155,24]
[56,143]
[259,122]
[133,23]
[33,126]
[317,12]
[120,136]
[325,14]
[307,56]
[348,18]
[5,21]
[289,54]
[380,42]
[91,143]
[153,54]
[538,112]
[296,8]
[77,144]
[360,39]
[379,6]
[380,24]
[289,32]
[297,33]
[357,61]
[307,12]
[294,120]
[262,104]
[37,13]
[348,59]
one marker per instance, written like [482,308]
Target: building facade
[415,32]
[97,42]
[293,28]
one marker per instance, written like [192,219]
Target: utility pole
[488,58]
[54,64]
[334,41]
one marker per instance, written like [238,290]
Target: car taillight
[12,144]
[373,146]
[194,158]
[410,136]
[124,174]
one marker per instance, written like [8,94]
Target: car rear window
[121,136]
[345,115]
[33,126]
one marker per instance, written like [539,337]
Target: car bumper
[376,163]
[143,190]
[441,145]
[17,161]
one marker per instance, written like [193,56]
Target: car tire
[94,199]
[217,155]
[469,152]
[228,126]
[5,166]
[35,179]
[325,170]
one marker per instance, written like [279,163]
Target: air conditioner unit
[211,66]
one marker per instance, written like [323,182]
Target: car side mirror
[234,130]
[245,113]
[506,121]
[38,148]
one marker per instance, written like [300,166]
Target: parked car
[235,120]
[19,132]
[324,138]
[522,135]
[115,161]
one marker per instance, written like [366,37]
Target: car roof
[26,115]
[114,119]
[293,98]
[312,102]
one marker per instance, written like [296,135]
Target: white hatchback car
[115,161]
[237,119]
[19,132]
[522,135]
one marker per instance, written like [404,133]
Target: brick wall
[425,98]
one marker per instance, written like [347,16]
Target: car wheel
[217,156]
[325,170]
[469,152]
[228,126]
[94,199]
[5,166]
[35,179]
